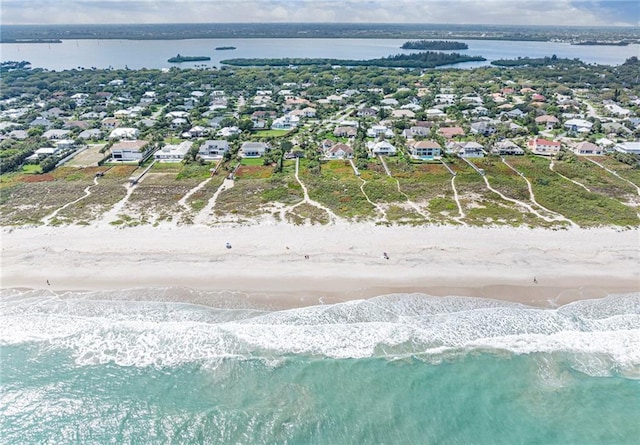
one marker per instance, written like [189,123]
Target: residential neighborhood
[275,118]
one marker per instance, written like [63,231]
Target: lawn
[31,169]
[271,133]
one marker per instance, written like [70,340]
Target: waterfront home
[253,149]
[425,150]
[628,147]
[383,148]
[544,147]
[470,150]
[507,148]
[339,151]
[129,151]
[173,153]
[213,149]
[587,149]
[124,133]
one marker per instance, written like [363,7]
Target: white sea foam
[602,336]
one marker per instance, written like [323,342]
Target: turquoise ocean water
[397,369]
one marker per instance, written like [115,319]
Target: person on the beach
[535,280]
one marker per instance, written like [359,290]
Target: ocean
[134,367]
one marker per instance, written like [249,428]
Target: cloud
[507,12]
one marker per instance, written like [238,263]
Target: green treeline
[180,59]
[444,45]
[428,59]
[540,61]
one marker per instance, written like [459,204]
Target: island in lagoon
[225,48]
[180,59]
[428,59]
[441,45]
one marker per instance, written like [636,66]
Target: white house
[471,150]
[129,151]
[253,149]
[379,130]
[381,148]
[172,153]
[588,149]
[578,125]
[507,148]
[286,122]
[339,151]
[55,134]
[628,147]
[213,149]
[124,133]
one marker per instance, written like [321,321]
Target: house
[434,113]
[286,122]
[110,123]
[471,150]
[65,144]
[450,132]
[93,133]
[339,151]
[506,148]
[228,131]
[213,149]
[253,149]
[411,133]
[390,102]
[367,112]
[383,148]
[588,149]
[43,152]
[614,108]
[483,128]
[124,133]
[425,150]
[40,122]
[309,112]
[19,135]
[195,132]
[628,147]
[55,134]
[129,151]
[544,147]
[173,153]
[548,121]
[379,130]
[345,132]
[578,126]
[178,123]
[403,114]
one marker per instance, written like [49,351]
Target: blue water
[137,54]
[96,368]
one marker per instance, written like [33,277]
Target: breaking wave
[602,336]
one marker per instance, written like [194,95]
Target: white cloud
[518,12]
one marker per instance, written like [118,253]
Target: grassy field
[559,195]
[27,197]
[338,188]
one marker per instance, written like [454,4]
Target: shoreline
[268,263]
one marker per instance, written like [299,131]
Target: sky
[492,12]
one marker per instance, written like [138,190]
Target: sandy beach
[287,266]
